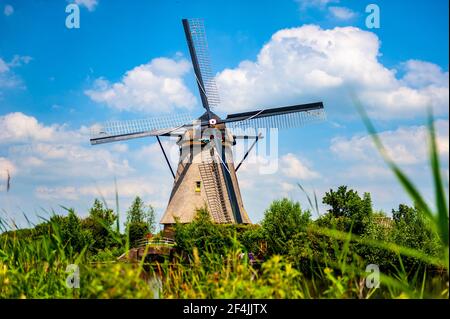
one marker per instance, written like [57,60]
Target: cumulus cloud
[18,127]
[292,167]
[406,145]
[424,74]
[54,151]
[308,63]
[341,13]
[157,86]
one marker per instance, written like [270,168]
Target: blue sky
[55,82]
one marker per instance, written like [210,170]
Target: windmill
[206,174]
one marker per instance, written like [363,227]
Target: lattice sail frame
[200,42]
[123,130]
[282,121]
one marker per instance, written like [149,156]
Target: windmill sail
[198,48]
[114,131]
[280,117]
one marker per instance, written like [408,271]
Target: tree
[282,221]
[71,232]
[136,231]
[348,209]
[413,229]
[141,213]
[99,223]
[379,228]
[406,214]
[140,220]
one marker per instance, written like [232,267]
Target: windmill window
[198,185]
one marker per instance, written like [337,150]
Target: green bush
[137,231]
[100,224]
[282,220]
[348,210]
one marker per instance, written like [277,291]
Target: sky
[130,60]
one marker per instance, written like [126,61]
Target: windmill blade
[198,48]
[280,117]
[114,131]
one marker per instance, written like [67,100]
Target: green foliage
[252,239]
[315,264]
[379,228]
[141,213]
[348,210]
[137,231]
[412,229]
[282,221]
[100,224]
[203,234]
[71,231]
[140,220]
[232,277]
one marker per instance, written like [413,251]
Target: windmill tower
[206,174]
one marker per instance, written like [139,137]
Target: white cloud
[287,187]
[18,127]
[424,74]
[89,4]
[8,79]
[292,167]
[157,86]
[8,10]
[367,170]
[342,13]
[126,188]
[405,145]
[66,192]
[308,63]
[54,151]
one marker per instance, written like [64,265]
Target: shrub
[282,221]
